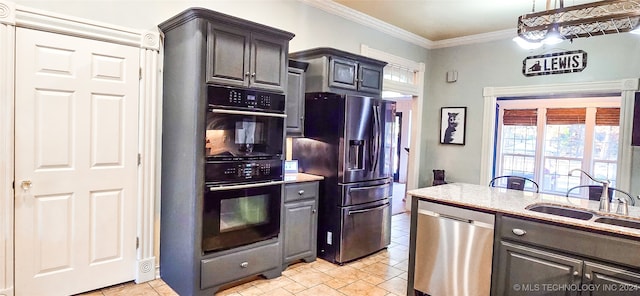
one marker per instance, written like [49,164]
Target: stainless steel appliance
[454,248]
[349,142]
[243,175]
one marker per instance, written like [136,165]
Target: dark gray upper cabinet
[295,98]
[240,57]
[333,70]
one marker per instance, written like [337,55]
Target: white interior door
[76,115]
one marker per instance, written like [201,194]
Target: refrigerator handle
[378,136]
[372,141]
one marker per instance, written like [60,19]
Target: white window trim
[590,103]
[417,91]
[626,87]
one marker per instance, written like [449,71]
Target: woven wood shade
[608,116]
[566,115]
[524,117]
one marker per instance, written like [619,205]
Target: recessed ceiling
[438,20]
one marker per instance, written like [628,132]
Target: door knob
[26,185]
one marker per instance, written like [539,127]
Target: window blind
[566,115]
[525,117]
[608,116]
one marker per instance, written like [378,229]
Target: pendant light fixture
[567,23]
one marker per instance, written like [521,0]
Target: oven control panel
[222,97]
[242,171]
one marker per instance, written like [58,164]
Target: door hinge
[137,243]
[140,73]
[139,159]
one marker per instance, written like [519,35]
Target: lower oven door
[237,215]
[365,230]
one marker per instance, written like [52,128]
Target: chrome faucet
[604,198]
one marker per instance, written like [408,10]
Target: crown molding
[477,38]
[361,18]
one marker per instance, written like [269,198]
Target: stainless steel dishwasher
[454,248]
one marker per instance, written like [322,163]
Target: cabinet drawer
[595,245]
[299,191]
[232,267]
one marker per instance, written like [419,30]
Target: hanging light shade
[585,20]
[553,36]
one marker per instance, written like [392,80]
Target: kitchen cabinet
[536,258]
[299,222]
[204,47]
[241,57]
[333,70]
[295,98]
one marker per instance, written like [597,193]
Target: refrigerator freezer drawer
[366,192]
[365,230]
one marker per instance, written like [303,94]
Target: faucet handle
[623,207]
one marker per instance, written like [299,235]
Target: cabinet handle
[244,264]
[314,211]
[588,276]
[519,232]
[301,192]
[253,74]
[247,74]
[576,273]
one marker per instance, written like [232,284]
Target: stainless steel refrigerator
[349,140]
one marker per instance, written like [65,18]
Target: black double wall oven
[244,167]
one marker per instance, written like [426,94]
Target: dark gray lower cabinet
[536,258]
[300,221]
[610,280]
[523,270]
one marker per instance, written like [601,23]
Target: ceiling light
[553,36]
[526,44]
[586,20]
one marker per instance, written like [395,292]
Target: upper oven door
[244,134]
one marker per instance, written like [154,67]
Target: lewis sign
[555,63]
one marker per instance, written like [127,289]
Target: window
[544,139]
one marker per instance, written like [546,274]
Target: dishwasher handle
[479,223]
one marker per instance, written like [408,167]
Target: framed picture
[453,124]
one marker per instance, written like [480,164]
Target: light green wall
[499,64]
[313,27]
[491,64]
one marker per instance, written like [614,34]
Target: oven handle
[250,113]
[244,186]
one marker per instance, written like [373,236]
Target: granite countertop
[514,202]
[301,177]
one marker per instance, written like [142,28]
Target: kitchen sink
[618,222]
[561,211]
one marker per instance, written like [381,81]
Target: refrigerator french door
[349,142]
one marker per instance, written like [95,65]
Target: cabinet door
[300,221]
[609,280]
[268,62]
[227,55]
[370,78]
[524,270]
[342,73]
[295,102]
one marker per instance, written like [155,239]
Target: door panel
[76,163]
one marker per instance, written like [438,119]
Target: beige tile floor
[383,273]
